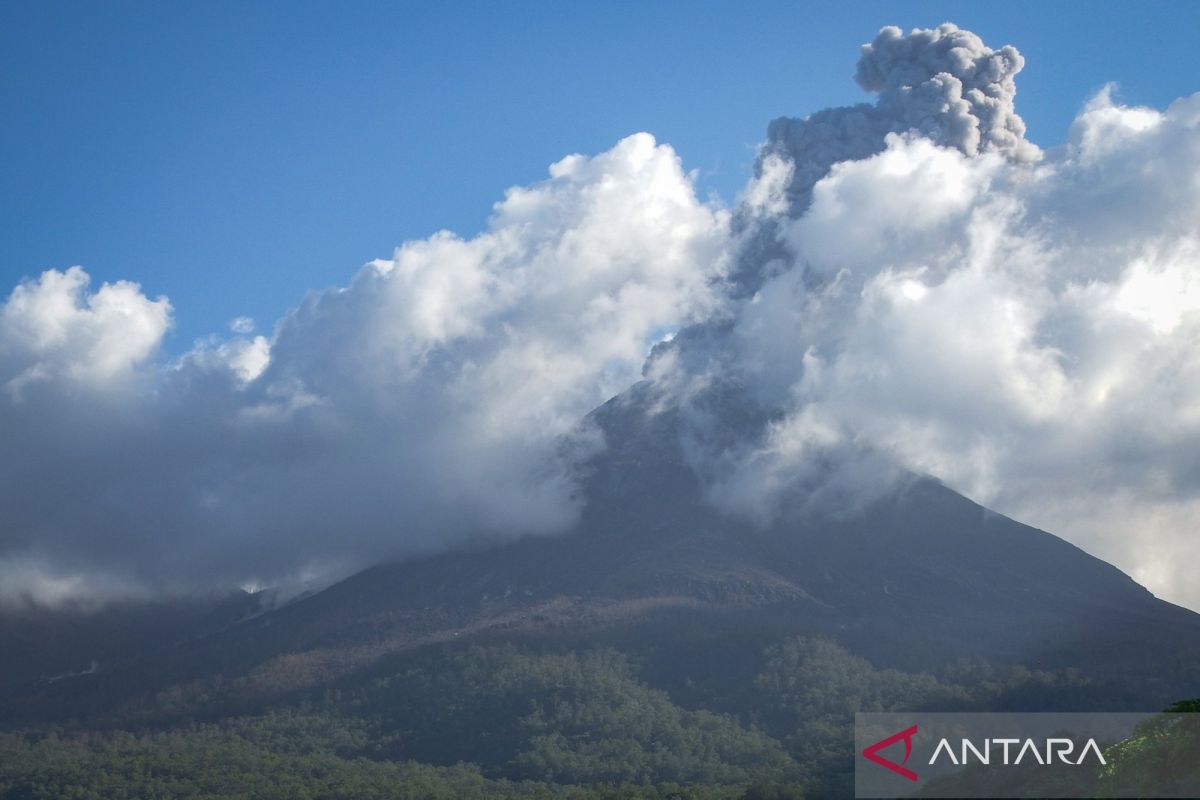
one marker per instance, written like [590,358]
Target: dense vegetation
[506,721]
[285,756]
[1160,759]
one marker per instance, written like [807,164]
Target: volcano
[915,579]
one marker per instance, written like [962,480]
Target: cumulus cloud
[53,331]
[437,397]
[1028,332]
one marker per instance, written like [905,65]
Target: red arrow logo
[872,752]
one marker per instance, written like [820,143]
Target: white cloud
[242,325]
[52,329]
[430,400]
[1029,333]
[27,581]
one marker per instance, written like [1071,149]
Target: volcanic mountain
[915,579]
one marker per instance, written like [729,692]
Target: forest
[523,720]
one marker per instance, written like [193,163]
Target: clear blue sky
[234,155]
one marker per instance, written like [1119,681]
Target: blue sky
[233,156]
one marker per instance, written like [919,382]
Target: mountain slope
[916,579]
